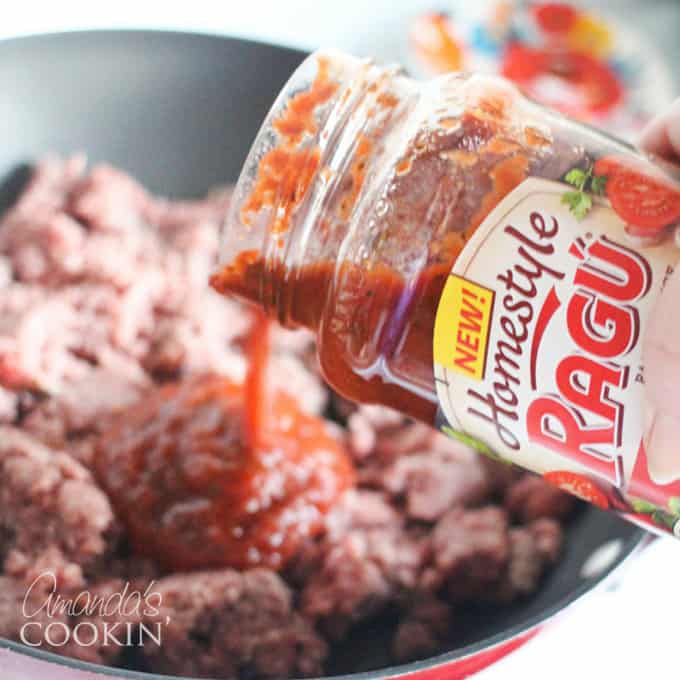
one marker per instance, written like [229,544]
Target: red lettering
[629,282]
[557,427]
[467,340]
[470,313]
[463,360]
[601,328]
[585,383]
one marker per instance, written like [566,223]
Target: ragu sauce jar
[471,259]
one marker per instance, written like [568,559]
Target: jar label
[537,349]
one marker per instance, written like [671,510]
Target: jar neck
[313,165]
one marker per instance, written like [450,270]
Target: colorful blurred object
[559,53]
[555,18]
[435,43]
[590,87]
[590,35]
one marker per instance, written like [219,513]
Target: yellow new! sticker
[461,330]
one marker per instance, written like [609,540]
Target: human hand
[661,352]
[662,136]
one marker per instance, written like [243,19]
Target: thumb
[661,357]
[662,135]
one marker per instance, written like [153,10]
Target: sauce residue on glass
[477,139]
[384,287]
[286,171]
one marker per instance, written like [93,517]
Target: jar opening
[304,177]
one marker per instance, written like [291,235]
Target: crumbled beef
[232,625]
[105,289]
[105,616]
[103,292]
[426,624]
[548,535]
[9,406]
[431,472]
[526,562]
[19,606]
[470,550]
[359,510]
[500,475]
[533,548]
[368,560]
[381,432]
[531,498]
[438,479]
[82,406]
[56,515]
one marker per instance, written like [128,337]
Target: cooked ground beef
[231,624]
[52,514]
[103,294]
[427,623]
[13,600]
[530,498]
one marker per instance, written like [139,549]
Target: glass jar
[462,253]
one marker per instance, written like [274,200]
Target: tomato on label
[608,166]
[643,202]
[644,197]
[579,485]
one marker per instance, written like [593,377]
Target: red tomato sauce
[384,289]
[207,473]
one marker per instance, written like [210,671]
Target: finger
[661,357]
[663,448]
[662,135]
[661,349]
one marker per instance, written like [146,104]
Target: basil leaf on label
[579,203]
[643,507]
[665,518]
[571,198]
[674,505]
[474,444]
[575,177]
[598,184]
[584,204]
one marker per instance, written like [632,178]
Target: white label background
[490,252]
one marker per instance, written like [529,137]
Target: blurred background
[607,62]
[612,63]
